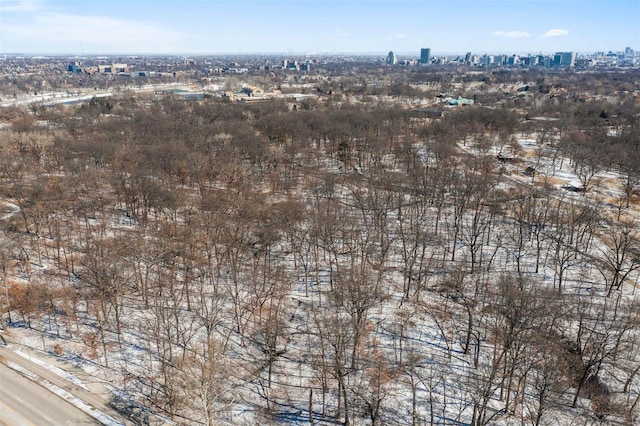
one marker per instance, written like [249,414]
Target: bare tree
[619,257]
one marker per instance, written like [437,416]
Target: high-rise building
[391,58]
[425,56]
[488,60]
[564,59]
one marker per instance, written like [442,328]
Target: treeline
[333,262]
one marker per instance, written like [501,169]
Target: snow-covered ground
[273,332]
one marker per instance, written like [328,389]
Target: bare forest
[344,258]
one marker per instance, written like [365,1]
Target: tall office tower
[564,59]
[391,58]
[467,58]
[425,56]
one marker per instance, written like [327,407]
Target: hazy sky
[317,26]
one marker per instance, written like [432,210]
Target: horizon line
[352,53]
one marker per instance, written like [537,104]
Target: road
[97,401]
[23,402]
[77,95]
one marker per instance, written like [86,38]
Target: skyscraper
[391,58]
[425,56]
[564,59]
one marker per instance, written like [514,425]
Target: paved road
[95,400]
[23,402]
[53,98]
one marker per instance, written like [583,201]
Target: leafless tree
[619,257]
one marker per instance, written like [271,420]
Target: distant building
[235,70]
[391,59]
[113,68]
[120,68]
[425,56]
[564,59]
[545,61]
[293,65]
[487,60]
[252,91]
[74,67]
[585,63]
[458,101]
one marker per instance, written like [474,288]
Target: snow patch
[57,371]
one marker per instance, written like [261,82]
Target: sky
[83,27]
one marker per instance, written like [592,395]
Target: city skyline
[316,27]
